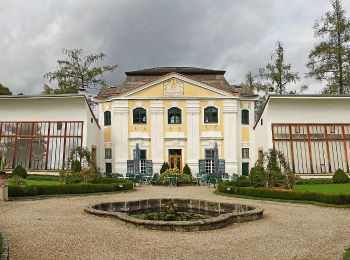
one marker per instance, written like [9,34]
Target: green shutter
[149,167]
[201,165]
[221,167]
[245,169]
[130,167]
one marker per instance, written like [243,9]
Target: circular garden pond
[175,214]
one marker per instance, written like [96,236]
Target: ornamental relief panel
[173,87]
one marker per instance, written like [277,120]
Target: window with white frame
[209,161]
[108,153]
[245,153]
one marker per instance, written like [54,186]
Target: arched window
[245,117]
[211,115]
[174,115]
[107,117]
[139,116]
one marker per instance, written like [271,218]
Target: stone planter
[2,180]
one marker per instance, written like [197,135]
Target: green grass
[38,182]
[325,188]
[347,254]
[281,200]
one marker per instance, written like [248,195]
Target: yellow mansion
[178,115]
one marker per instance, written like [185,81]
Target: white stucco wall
[52,108]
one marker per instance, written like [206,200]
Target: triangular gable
[171,85]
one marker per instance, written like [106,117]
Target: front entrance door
[175,159]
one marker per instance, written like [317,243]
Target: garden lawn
[325,188]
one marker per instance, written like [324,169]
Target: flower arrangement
[171,172]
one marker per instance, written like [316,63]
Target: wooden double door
[175,159]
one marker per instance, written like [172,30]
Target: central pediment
[176,85]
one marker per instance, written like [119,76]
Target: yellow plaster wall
[139,127]
[219,127]
[245,134]
[107,134]
[190,90]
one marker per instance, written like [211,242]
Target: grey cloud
[234,35]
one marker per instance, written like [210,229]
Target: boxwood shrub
[81,188]
[339,199]
[301,181]
[38,177]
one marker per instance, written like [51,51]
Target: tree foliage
[278,73]
[77,72]
[4,90]
[329,60]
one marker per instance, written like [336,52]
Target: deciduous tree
[4,90]
[77,72]
[329,60]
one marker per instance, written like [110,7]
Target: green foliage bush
[182,179]
[73,178]
[39,177]
[242,181]
[186,170]
[165,166]
[300,181]
[340,177]
[17,181]
[19,171]
[36,190]
[75,166]
[258,176]
[339,199]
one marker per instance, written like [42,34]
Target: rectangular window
[245,169]
[108,168]
[209,161]
[108,153]
[245,153]
[261,121]
[143,158]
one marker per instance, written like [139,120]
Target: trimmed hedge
[81,188]
[339,199]
[38,177]
[300,181]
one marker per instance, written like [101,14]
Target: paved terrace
[58,228]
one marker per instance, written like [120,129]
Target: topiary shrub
[75,166]
[187,170]
[164,167]
[340,177]
[19,171]
[258,176]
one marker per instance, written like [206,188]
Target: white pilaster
[120,113]
[157,137]
[193,149]
[230,109]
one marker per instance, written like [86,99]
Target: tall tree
[278,73]
[76,72]
[252,83]
[330,58]
[4,90]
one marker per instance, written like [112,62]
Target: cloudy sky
[233,35]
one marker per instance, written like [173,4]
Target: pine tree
[330,58]
[278,73]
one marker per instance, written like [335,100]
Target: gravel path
[58,228]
